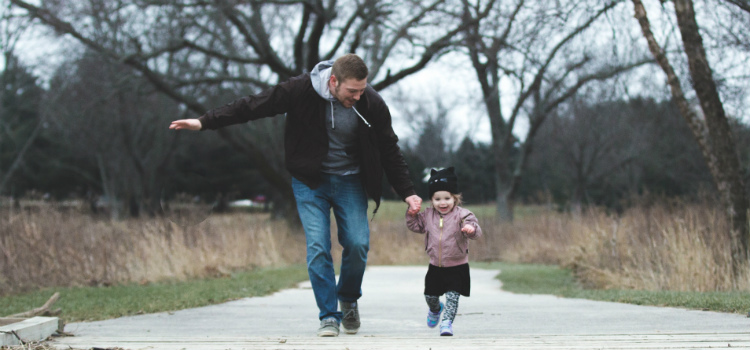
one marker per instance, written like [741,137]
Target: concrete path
[393,315]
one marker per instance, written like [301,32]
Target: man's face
[348,91]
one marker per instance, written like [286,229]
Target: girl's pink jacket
[444,242]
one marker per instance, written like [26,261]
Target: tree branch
[537,82]
[299,40]
[221,79]
[403,31]
[434,49]
[744,5]
[603,74]
[696,124]
[359,13]
[257,37]
[219,55]
[313,40]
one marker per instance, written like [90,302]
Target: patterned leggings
[451,304]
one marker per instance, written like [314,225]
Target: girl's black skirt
[443,279]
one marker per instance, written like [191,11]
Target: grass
[548,279]
[98,303]
[673,254]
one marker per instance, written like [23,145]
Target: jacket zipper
[440,244]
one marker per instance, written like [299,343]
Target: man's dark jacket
[306,138]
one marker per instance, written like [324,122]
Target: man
[338,142]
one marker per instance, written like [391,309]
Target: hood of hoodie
[320,75]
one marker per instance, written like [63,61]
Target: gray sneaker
[329,327]
[350,321]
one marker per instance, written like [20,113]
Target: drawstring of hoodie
[333,119]
[361,117]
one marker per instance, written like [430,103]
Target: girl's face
[443,201]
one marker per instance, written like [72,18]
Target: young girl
[447,228]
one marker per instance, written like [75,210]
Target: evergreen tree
[20,126]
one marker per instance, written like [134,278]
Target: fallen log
[40,310]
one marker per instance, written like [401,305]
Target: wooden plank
[4,321]
[31,329]
[556,342]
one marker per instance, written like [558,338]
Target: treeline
[601,153]
[99,133]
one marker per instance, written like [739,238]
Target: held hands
[415,204]
[187,124]
[468,229]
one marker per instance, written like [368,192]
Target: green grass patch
[98,303]
[545,279]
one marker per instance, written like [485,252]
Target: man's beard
[348,103]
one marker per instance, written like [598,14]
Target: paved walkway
[393,317]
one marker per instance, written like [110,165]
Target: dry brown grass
[48,247]
[542,238]
[666,246]
[391,243]
[654,247]
[663,247]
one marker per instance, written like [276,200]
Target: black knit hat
[443,180]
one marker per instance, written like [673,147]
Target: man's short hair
[349,66]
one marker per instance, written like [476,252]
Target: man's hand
[187,124]
[415,204]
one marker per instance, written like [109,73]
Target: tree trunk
[713,135]
[503,177]
[729,182]
[112,202]
[504,205]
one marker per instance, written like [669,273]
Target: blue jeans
[347,197]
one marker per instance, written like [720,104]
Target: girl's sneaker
[433,317]
[446,328]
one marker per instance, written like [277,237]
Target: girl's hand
[468,229]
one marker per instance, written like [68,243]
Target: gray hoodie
[320,76]
[341,124]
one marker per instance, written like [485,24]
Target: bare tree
[117,112]
[431,137]
[711,129]
[596,142]
[201,52]
[539,49]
